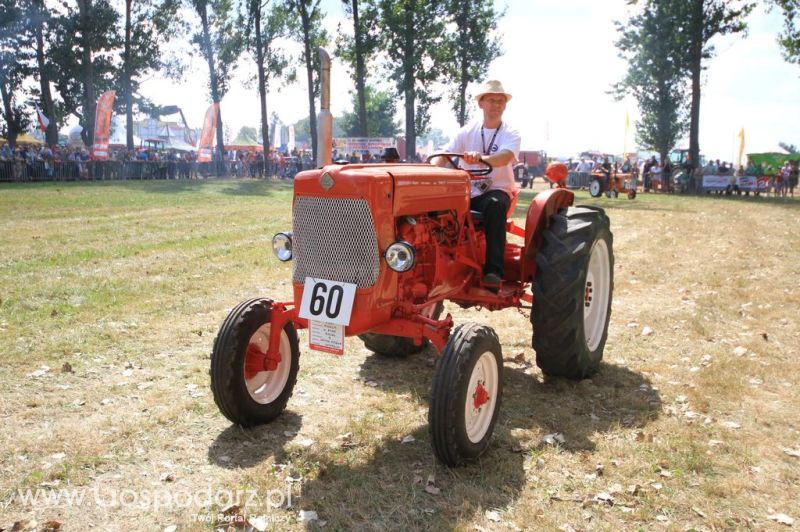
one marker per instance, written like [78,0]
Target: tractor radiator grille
[334,239]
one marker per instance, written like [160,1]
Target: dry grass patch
[690,423]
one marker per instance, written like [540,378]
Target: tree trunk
[126,79]
[262,82]
[360,74]
[696,60]
[462,96]
[312,110]
[51,133]
[462,82]
[8,115]
[212,75]
[408,82]
[89,99]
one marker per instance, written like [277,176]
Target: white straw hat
[492,87]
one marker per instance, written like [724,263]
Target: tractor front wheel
[250,387]
[596,188]
[467,389]
[572,293]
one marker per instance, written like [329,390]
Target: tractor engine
[436,237]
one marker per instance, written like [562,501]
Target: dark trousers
[494,206]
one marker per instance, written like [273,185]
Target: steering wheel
[450,158]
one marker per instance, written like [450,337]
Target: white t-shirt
[469,138]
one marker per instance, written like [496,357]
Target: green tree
[40,24]
[264,29]
[790,38]
[220,43]
[650,43]
[471,48]
[149,25]
[703,20]
[312,35]
[15,65]
[788,147]
[84,44]
[381,109]
[356,52]
[413,33]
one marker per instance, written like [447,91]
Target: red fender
[543,206]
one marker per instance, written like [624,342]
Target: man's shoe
[492,279]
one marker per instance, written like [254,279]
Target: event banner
[205,149]
[102,125]
[747,182]
[362,144]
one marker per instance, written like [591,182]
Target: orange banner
[205,149]
[102,125]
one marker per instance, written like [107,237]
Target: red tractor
[376,250]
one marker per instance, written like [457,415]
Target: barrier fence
[19,171]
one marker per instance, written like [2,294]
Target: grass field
[111,295]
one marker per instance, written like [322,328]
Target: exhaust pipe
[324,118]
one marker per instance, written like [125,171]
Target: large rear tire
[466,395]
[245,392]
[399,346]
[572,293]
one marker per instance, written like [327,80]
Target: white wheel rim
[265,386]
[478,419]
[595,187]
[596,294]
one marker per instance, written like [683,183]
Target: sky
[558,61]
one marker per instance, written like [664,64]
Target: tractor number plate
[327,301]
[327,306]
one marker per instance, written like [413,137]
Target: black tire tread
[230,394]
[557,316]
[445,417]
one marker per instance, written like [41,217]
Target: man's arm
[501,158]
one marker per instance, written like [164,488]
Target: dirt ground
[111,295]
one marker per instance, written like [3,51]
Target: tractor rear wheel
[572,293]
[466,395]
[400,346]
[250,388]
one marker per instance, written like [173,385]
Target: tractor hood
[399,189]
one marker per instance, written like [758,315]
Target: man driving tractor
[492,141]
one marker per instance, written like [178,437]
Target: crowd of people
[33,162]
[653,174]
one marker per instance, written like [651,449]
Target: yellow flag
[741,146]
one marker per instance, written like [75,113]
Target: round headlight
[282,246]
[400,256]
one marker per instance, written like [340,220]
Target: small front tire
[596,188]
[466,395]
[245,392]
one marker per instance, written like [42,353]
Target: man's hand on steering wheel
[473,157]
[470,157]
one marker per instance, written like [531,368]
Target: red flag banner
[43,120]
[102,125]
[205,149]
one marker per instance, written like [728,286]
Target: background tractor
[377,249]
